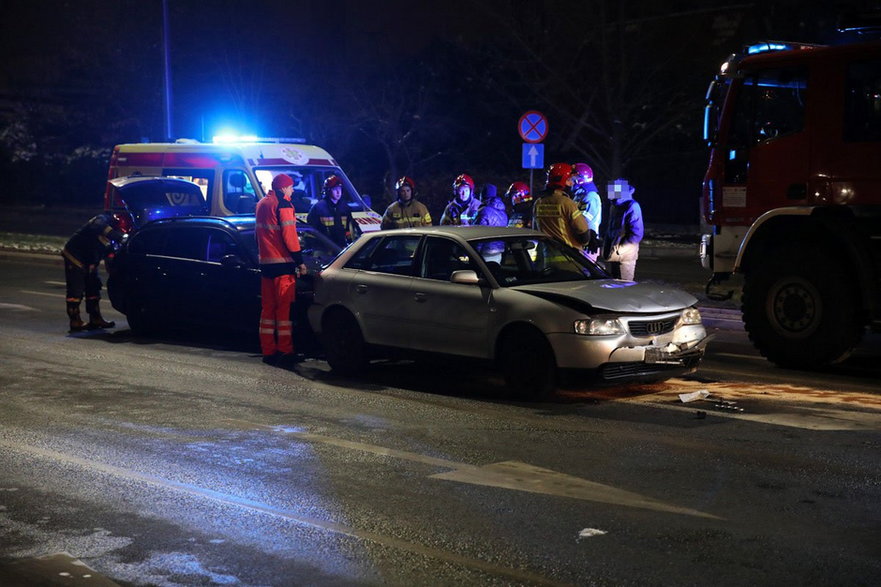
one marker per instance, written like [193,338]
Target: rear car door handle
[420,297]
[361,288]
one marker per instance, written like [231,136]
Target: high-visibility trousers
[277,294]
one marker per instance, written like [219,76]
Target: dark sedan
[201,273]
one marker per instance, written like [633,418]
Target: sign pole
[531,192]
[533,128]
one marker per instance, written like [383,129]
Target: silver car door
[380,291]
[449,317]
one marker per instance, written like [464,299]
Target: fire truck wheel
[800,309]
[343,343]
[527,363]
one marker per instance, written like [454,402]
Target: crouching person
[93,242]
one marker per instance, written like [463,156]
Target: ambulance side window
[238,193]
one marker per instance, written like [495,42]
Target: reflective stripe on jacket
[399,215]
[557,216]
[278,246]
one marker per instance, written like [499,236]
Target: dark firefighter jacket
[94,241]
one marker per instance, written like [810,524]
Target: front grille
[652,327]
[614,371]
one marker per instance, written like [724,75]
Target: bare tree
[608,74]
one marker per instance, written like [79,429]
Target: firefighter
[278,249]
[462,209]
[97,239]
[625,230]
[521,205]
[584,192]
[492,212]
[406,211]
[555,214]
[331,215]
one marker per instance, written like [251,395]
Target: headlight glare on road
[690,316]
[598,327]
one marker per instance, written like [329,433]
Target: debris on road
[590,533]
[694,396]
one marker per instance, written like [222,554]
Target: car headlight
[690,316]
[598,327]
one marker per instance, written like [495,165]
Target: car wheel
[528,365]
[343,343]
[800,309]
[139,321]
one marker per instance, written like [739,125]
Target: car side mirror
[232,261]
[466,276]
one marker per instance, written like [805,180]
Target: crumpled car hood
[614,296]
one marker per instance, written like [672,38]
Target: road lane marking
[524,477]
[248,504]
[60,283]
[511,475]
[5,306]
[42,293]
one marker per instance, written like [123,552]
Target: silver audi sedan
[513,296]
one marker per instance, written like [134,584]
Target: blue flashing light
[767,47]
[230,138]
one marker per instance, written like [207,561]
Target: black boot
[73,312]
[95,319]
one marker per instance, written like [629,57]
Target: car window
[441,256]
[394,255]
[188,243]
[312,245]
[523,260]
[361,259]
[149,242]
[220,244]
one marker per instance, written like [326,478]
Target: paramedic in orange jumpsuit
[280,261]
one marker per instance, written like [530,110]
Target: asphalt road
[189,462]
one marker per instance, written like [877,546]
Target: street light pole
[167,67]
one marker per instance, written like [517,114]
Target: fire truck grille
[651,327]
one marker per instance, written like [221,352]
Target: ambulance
[232,176]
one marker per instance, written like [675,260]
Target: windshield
[308,185]
[525,260]
[713,107]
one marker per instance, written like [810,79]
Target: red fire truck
[792,196]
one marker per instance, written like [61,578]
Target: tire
[344,344]
[528,365]
[139,320]
[800,309]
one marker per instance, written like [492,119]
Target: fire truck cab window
[770,104]
[862,108]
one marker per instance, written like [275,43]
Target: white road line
[5,306]
[510,475]
[61,283]
[243,503]
[42,293]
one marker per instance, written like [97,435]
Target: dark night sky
[46,45]
[272,67]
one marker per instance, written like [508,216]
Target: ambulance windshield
[308,185]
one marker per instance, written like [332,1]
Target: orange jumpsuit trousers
[275,317]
